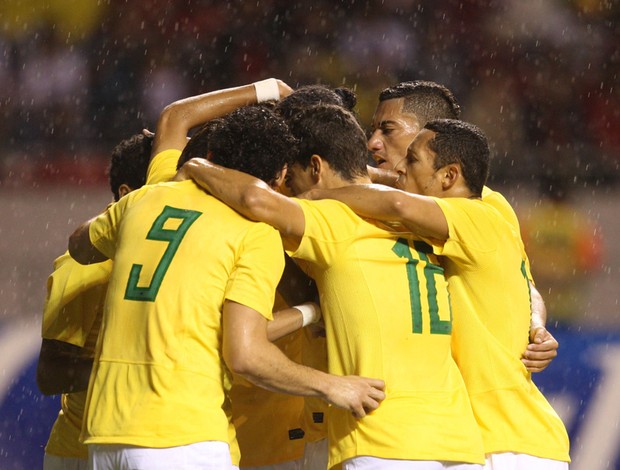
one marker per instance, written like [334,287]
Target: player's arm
[249,353]
[178,118]
[420,215]
[382,176]
[62,368]
[543,347]
[81,248]
[249,196]
[288,320]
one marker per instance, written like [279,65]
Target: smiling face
[392,132]
[416,172]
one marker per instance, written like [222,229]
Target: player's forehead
[391,111]
[420,142]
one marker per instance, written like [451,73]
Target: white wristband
[309,313]
[267,90]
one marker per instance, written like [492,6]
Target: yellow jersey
[488,285]
[159,379]
[387,315]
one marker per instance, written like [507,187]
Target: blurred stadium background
[540,77]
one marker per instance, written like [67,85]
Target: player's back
[178,254]
[387,315]
[485,267]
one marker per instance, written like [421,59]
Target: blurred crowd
[540,77]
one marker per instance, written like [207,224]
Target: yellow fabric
[499,202]
[74,298]
[163,166]
[64,437]
[72,314]
[490,296]
[159,379]
[368,291]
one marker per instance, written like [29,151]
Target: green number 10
[173,238]
[438,326]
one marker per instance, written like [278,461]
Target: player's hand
[360,395]
[543,348]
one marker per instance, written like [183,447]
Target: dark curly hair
[252,139]
[464,143]
[129,163]
[334,134]
[427,100]
[310,95]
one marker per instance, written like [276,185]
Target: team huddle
[258,296]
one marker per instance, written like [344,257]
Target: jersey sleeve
[103,230]
[501,204]
[330,227]
[258,269]
[163,166]
[75,295]
[466,222]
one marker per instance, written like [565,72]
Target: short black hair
[311,95]
[198,145]
[252,139]
[427,100]
[334,134]
[129,163]
[464,143]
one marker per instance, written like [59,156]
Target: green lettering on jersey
[173,238]
[437,326]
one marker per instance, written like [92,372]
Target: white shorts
[53,462]
[510,461]
[315,455]
[364,462]
[210,455]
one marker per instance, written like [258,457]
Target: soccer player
[384,300]
[268,425]
[75,291]
[402,112]
[192,289]
[485,267]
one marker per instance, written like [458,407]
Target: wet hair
[198,145]
[311,95]
[464,143]
[129,163]
[252,139]
[427,100]
[334,134]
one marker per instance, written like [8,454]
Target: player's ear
[278,181]
[316,165]
[450,174]
[123,190]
